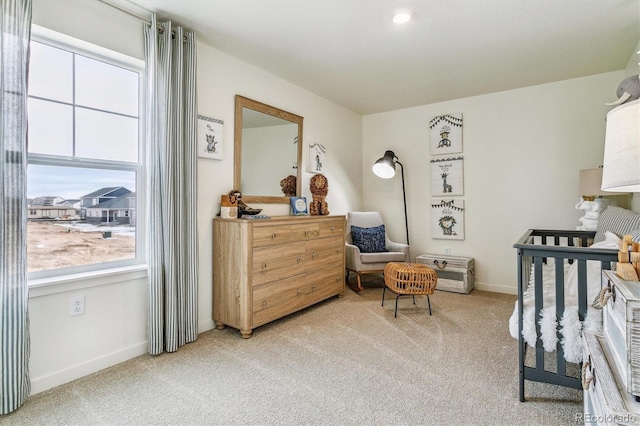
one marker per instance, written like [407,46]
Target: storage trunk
[455,273]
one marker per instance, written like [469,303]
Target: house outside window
[85,150]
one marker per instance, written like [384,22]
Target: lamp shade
[621,167]
[385,167]
[590,182]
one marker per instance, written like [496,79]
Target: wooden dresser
[264,269]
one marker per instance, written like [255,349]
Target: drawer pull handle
[605,294]
[299,292]
[333,228]
[313,287]
[264,304]
[588,379]
[444,264]
[313,256]
[299,258]
[273,235]
[264,266]
[339,250]
[338,278]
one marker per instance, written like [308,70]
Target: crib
[535,249]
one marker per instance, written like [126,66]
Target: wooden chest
[455,273]
[264,269]
[621,325]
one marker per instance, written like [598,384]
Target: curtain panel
[15,33]
[171,122]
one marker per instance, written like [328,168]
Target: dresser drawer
[621,325]
[326,282]
[604,402]
[332,227]
[324,251]
[271,235]
[277,299]
[274,262]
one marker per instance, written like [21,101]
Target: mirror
[268,148]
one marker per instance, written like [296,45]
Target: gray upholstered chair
[366,263]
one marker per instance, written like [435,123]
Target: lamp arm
[404,196]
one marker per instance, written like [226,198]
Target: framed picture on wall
[447,176]
[445,134]
[210,133]
[317,155]
[447,219]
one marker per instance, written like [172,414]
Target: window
[84,156]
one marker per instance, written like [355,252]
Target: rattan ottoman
[409,279]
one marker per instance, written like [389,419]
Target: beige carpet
[346,361]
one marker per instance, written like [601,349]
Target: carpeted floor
[346,361]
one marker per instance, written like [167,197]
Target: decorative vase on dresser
[265,269]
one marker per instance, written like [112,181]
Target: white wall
[114,326]
[522,152]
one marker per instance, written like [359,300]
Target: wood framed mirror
[267,149]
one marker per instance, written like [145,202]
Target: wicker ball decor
[410,278]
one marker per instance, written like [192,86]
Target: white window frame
[117,270]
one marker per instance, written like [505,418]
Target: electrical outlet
[447,250]
[77,305]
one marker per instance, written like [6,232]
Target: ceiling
[350,52]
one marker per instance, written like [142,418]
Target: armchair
[367,263]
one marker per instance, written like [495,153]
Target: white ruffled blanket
[570,326]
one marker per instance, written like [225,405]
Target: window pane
[106,136]
[50,128]
[50,73]
[106,87]
[79,216]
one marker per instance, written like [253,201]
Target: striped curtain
[15,32]
[171,122]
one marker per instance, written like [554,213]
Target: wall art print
[447,219]
[317,156]
[447,177]
[210,131]
[446,134]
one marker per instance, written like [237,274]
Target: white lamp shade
[621,167]
[589,183]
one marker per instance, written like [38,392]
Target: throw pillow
[617,220]
[369,240]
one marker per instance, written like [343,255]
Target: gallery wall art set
[447,177]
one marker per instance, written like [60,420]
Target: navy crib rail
[534,248]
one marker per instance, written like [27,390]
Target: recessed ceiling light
[401,16]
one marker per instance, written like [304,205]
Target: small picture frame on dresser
[299,206]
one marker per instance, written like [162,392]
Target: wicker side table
[409,279]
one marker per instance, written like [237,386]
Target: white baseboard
[496,288]
[41,384]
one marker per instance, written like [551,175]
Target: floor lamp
[385,168]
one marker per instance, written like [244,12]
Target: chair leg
[429,302]
[414,298]
[395,314]
[359,283]
[383,291]
[346,275]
